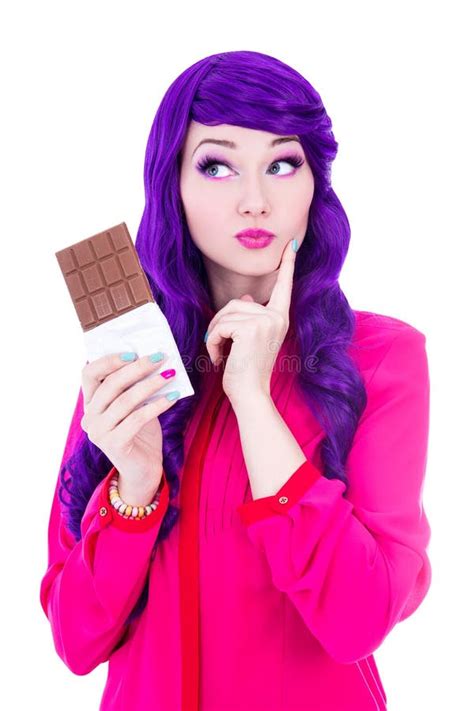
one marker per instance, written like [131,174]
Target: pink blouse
[269,604]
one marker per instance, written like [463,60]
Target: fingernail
[173,395]
[127,356]
[168,373]
[205,336]
[156,357]
[294,244]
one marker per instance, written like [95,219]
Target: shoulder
[371,322]
[377,336]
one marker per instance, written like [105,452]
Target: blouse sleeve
[354,562]
[91,585]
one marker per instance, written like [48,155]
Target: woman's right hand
[129,435]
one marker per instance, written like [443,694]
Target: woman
[287,537]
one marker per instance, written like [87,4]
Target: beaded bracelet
[126,510]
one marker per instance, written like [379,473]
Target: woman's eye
[292,166]
[212,168]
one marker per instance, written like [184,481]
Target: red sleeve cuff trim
[109,515]
[289,494]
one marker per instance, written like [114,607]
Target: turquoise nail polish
[173,395]
[294,244]
[127,356]
[205,336]
[156,357]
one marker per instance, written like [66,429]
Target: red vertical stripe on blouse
[189,551]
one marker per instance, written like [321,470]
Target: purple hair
[256,91]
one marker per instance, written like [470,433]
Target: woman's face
[251,185]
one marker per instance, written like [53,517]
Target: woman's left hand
[257,333]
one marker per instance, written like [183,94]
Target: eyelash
[209,160]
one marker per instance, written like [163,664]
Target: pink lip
[254,233]
[255,238]
[255,242]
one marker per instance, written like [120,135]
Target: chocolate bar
[115,305]
[104,276]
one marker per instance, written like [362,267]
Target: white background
[81,83]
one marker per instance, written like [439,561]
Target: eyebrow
[231,144]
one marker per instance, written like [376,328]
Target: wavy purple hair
[257,91]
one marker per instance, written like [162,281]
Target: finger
[236,306]
[132,399]
[115,377]
[123,381]
[132,425]
[94,373]
[281,294]
[226,328]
